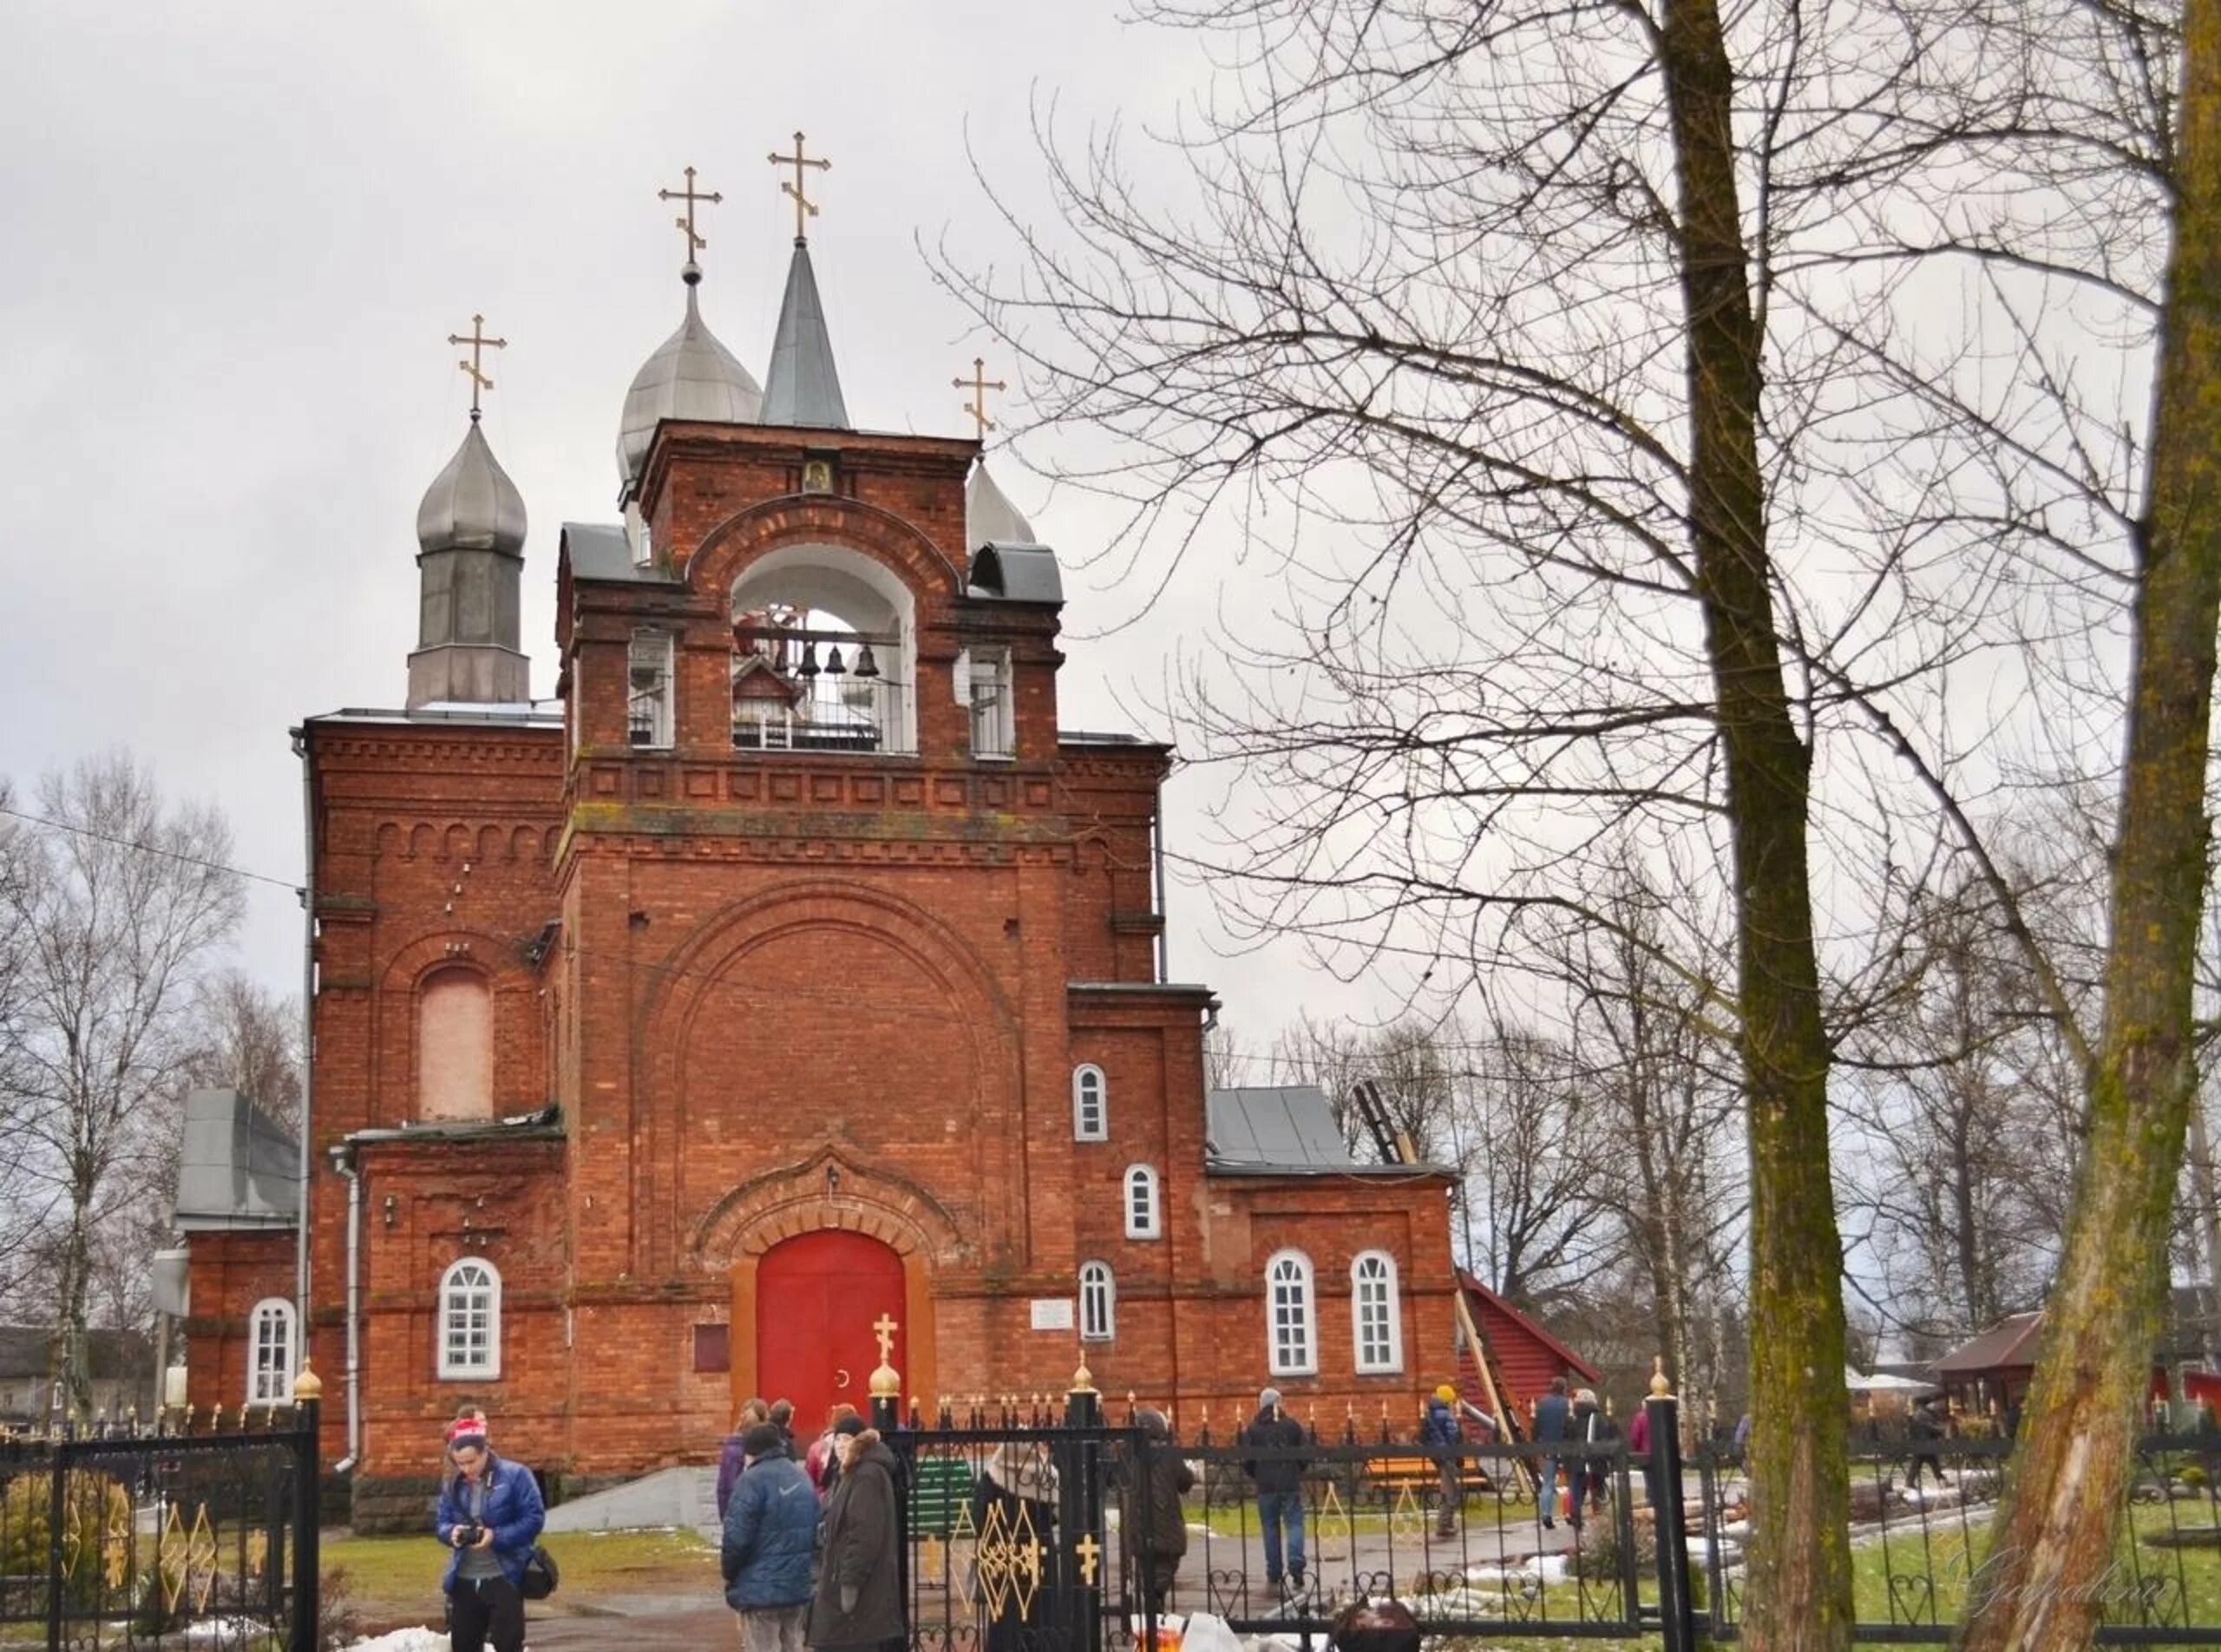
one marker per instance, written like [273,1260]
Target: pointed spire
[802,386]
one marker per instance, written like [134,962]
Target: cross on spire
[473,369]
[805,208]
[694,243]
[979,384]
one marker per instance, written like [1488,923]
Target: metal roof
[472,505]
[602,551]
[802,386]
[2010,1342]
[237,1167]
[989,517]
[546,1123]
[691,376]
[1003,573]
[1277,1127]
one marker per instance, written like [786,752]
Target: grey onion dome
[691,376]
[989,517]
[472,505]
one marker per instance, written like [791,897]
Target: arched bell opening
[824,654]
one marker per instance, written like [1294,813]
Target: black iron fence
[112,1536]
[1049,1529]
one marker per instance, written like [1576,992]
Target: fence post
[1676,1614]
[308,1583]
[1080,1494]
[887,1420]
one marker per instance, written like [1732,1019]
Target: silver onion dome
[690,376]
[472,505]
[989,517]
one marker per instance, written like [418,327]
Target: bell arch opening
[824,654]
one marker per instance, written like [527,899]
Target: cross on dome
[695,242]
[473,369]
[979,384]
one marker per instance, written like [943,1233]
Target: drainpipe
[1164,918]
[342,1161]
[308,1032]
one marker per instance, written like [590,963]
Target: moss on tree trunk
[2045,1580]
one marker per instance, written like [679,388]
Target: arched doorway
[818,1298]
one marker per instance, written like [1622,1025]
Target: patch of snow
[418,1640]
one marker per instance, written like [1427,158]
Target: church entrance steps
[669,1497]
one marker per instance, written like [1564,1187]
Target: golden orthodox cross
[979,384]
[883,1327]
[479,343]
[1090,1552]
[690,195]
[804,207]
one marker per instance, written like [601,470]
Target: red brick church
[791,968]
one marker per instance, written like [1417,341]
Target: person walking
[1278,1479]
[1926,1428]
[734,1453]
[859,1598]
[1439,1429]
[1016,1498]
[1152,1518]
[770,1552]
[1553,1412]
[489,1515]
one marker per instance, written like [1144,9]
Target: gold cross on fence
[979,384]
[1090,1552]
[690,195]
[883,1327]
[804,207]
[479,344]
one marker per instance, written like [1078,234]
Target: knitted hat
[1269,1398]
[851,1424]
[1447,1394]
[466,1431]
[762,1438]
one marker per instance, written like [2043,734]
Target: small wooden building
[1524,1356]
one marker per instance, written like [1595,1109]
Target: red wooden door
[817,1299]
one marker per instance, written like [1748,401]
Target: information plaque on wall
[1052,1313]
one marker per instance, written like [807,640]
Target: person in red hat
[489,1516]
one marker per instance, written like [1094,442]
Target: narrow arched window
[1098,1302]
[270,1353]
[455,1046]
[470,1319]
[1292,1343]
[1090,1104]
[1144,1211]
[648,719]
[1376,1326]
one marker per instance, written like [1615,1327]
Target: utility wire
[151,849]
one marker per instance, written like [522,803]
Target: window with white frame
[1098,1302]
[1376,1328]
[1144,1211]
[470,1319]
[987,694]
[1292,1342]
[1090,1111]
[648,708]
[270,1353]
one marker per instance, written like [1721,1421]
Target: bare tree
[124,904]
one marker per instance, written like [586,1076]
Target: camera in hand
[471,1535]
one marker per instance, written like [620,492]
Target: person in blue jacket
[1439,1429]
[769,1551]
[489,1516]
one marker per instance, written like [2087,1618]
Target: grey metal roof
[989,517]
[691,376]
[472,505]
[544,1123]
[521,715]
[1284,1129]
[1016,573]
[1097,737]
[600,551]
[237,1167]
[802,386]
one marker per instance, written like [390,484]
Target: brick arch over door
[728,548]
[734,1047]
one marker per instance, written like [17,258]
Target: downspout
[308,1034]
[342,1161]
[1163,919]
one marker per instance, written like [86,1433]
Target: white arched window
[1098,1302]
[270,1353]
[1292,1342]
[1144,1211]
[470,1319]
[1090,1104]
[1376,1321]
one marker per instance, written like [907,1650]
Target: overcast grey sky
[238,233]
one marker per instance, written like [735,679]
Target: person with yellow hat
[1441,1431]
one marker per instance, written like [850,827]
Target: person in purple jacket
[734,1456]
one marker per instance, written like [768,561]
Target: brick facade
[764,994]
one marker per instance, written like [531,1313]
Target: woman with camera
[489,1516]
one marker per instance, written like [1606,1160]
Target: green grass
[405,1569]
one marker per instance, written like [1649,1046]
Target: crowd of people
[810,1535]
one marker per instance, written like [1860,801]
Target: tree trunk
[2045,1580]
[1798,1593]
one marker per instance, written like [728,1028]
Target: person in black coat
[1278,1479]
[859,1599]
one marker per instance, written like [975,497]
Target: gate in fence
[113,1537]
[1040,1527]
